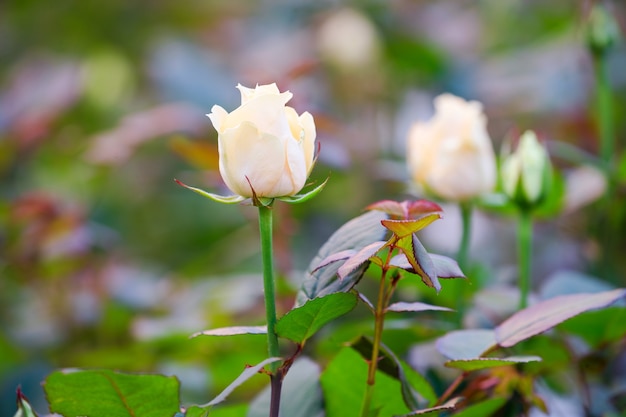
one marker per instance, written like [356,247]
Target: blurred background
[106,262]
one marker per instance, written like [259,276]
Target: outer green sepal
[24,408]
[301,198]
[231,199]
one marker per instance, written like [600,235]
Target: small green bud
[602,29]
[525,172]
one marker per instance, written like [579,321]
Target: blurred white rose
[263,144]
[348,40]
[451,155]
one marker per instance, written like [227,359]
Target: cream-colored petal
[217,116]
[303,130]
[248,94]
[310,134]
[294,174]
[246,153]
[265,112]
[420,149]
[454,169]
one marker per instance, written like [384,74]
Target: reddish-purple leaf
[415,307]
[446,267]
[544,315]
[335,257]
[231,331]
[355,234]
[405,210]
[403,228]
[401,261]
[466,344]
[360,258]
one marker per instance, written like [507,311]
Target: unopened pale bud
[265,148]
[602,29]
[524,172]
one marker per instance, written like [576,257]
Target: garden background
[106,262]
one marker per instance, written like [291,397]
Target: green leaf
[354,235]
[466,344]
[485,408]
[232,331]
[300,323]
[231,199]
[484,363]
[416,391]
[103,393]
[235,410]
[24,408]
[301,198]
[343,384]
[449,405]
[613,327]
[546,314]
[301,393]
[402,228]
[415,307]
[420,260]
[248,373]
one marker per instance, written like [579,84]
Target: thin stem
[466,220]
[463,257]
[455,384]
[265,227]
[604,116]
[384,295]
[524,254]
[605,110]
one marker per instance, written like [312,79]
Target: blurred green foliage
[105,262]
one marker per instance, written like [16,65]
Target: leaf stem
[265,228]
[524,253]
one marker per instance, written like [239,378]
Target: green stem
[265,227]
[524,254]
[463,258]
[604,116]
[466,219]
[384,296]
[605,111]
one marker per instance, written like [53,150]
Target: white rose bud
[264,145]
[525,172]
[451,155]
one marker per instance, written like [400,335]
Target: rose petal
[266,112]
[248,154]
[217,116]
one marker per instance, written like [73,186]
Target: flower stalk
[605,110]
[466,221]
[524,254]
[463,256]
[269,285]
